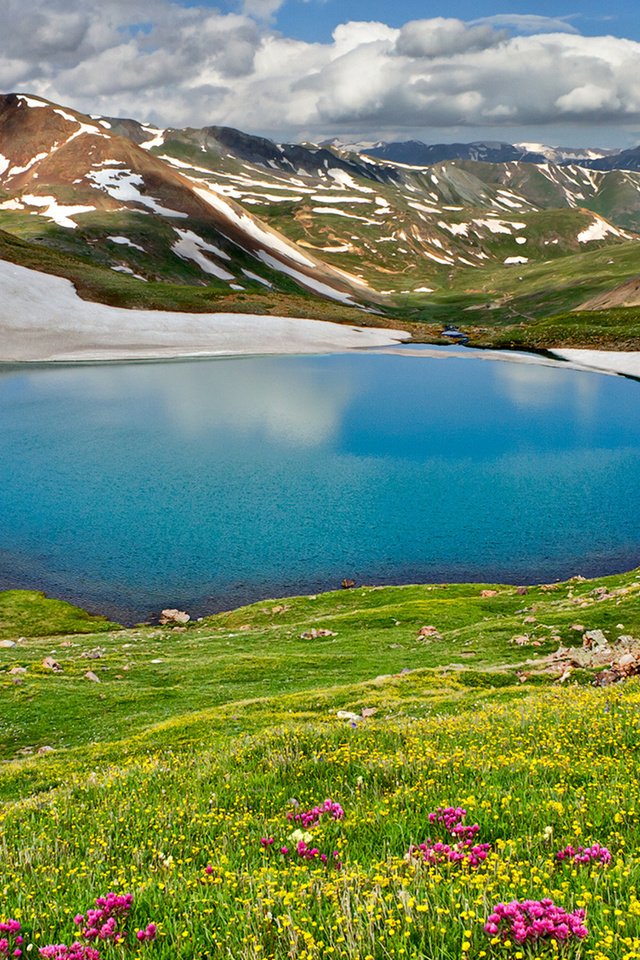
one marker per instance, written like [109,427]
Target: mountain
[116,202]
[419,154]
[216,219]
[624,160]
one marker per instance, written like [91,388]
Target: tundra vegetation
[440,772]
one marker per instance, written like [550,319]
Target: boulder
[50,664]
[7,644]
[171,615]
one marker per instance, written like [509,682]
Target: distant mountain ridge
[418,154]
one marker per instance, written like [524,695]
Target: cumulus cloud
[187,65]
[445,38]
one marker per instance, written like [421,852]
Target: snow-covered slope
[42,318]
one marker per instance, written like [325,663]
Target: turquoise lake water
[202,485]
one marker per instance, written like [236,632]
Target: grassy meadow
[176,771]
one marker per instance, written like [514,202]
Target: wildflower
[585,855]
[309,818]
[534,920]
[148,934]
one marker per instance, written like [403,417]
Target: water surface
[129,487]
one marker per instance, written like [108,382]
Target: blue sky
[511,70]
[316,19]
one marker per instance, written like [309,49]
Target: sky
[360,70]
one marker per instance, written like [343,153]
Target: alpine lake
[205,484]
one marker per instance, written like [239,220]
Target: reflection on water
[132,486]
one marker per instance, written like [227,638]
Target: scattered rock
[348,584]
[488,593]
[313,634]
[16,671]
[429,632]
[280,608]
[522,591]
[50,664]
[594,640]
[174,616]
[92,654]
[45,749]
[90,675]
[522,640]
[7,644]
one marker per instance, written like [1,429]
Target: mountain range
[213,218]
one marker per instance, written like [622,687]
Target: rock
[16,671]
[313,634]
[50,664]
[174,616]
[626,660]
[347,715]
[92,654]
[369,712]
[594,640]
[522,591]
[578,627]
[45,749]
[348,584]
[7,644]
[529,620]
[430,632]
[67,643]
[90,675]
[280,608]
[488,593]
[521,640]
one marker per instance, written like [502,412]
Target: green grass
[165,769]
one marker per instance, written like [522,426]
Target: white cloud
[529,23]
[176,65]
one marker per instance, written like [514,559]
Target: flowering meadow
[455,818]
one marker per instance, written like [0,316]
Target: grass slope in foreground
[196,744]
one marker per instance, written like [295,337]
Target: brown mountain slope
[63,166]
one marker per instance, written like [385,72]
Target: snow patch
[122,184]
[191,247]
[125,242]
[599,229]
[250,227]
[310,282]
[15,171]
[54,211]
[44,319]
[32,102]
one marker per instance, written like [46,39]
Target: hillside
[172,764]
[216,220]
